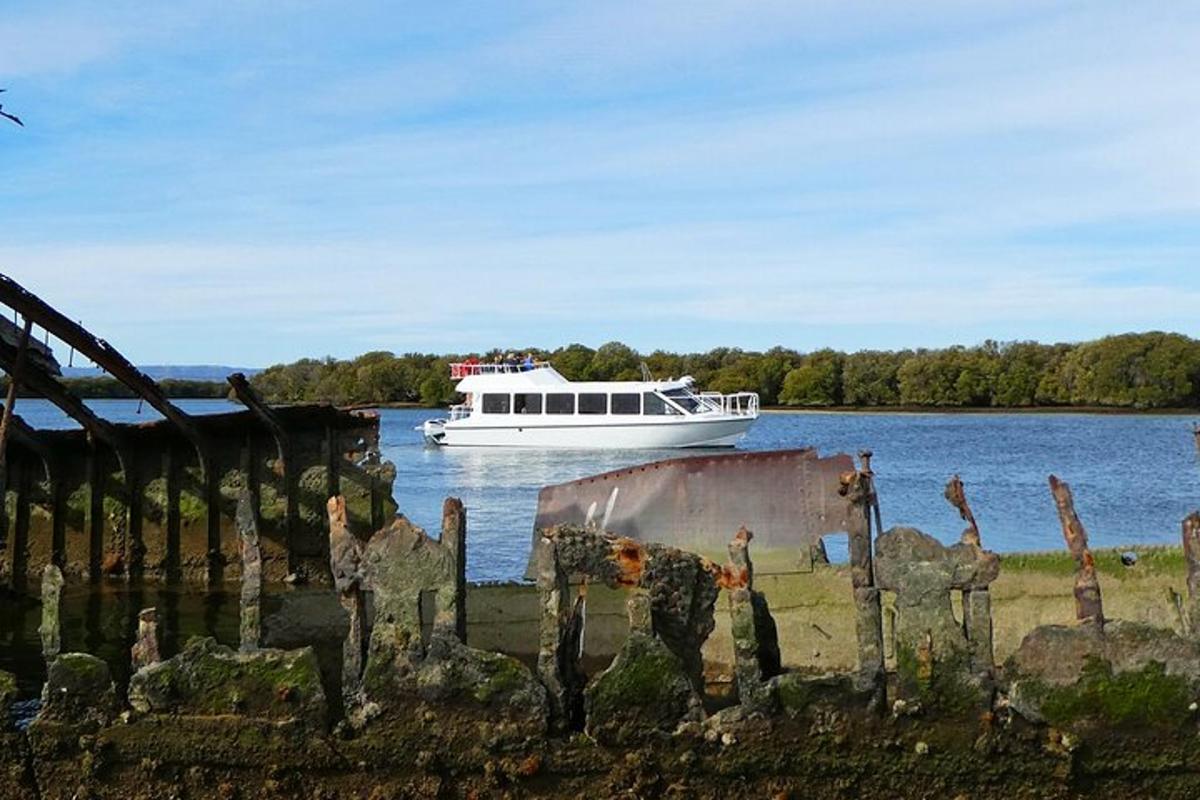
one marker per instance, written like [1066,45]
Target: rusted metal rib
[958,498]
[104,355]
[14,383]
[1088,605]
[43,384]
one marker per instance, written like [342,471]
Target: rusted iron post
[1088,605]
[858,489]
[1191,553]
[171,470]
[135,545]
[957,497]
[20,533]
[52,586]
[251,599]
[145,651]
[14,382]
[346,564]
[977,603]
[95,515]
[454,539]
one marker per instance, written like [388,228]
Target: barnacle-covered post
[859,490]
[251,600]
[145,652]
[1191,554]
[977,602]
[52,586]
[346,564]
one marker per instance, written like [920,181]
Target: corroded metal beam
[46,386]
[14,383]
[1088,605]
[103,355]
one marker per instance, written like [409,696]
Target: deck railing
[738,404]
[464,369]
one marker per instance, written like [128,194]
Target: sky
[257,182]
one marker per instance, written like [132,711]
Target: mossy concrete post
[145,651]
[934,656]
[554,652]
[346,564]
[1089,608]
[50,630]
[755,638]
[858,489]
[454,539]
[251,599]
[1191,553]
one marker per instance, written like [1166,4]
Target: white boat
[533,405]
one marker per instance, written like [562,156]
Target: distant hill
[179,372]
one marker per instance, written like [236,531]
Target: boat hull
[715,432]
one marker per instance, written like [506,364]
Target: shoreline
[1092,410]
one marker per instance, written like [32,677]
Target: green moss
[209,679]
[1138,698]
[647,676]
[505,675]
[8,692]
[948,689]
[87,669]
[796,694]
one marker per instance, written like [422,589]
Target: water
[1134,476]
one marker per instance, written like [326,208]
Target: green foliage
[816,382]
[574,361]
[615,362]
[1148,370]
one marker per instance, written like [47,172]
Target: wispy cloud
[297,178]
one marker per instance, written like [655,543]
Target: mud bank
[423,704]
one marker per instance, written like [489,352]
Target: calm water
[1134,477]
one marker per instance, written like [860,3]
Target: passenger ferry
[532,405]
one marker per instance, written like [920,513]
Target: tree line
[1135,370]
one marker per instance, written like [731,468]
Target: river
[1134,476]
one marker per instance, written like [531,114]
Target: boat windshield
[684,399]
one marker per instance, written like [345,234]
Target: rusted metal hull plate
[788,498]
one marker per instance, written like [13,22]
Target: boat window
[626,403]
[496,403]
[684,399]
[560,404]
[593,403]
[527,404]
[654,405]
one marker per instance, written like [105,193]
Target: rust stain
[630,558]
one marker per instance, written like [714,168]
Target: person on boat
[472,365]
[510,360]
[527,364]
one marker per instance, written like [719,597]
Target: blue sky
[256,182]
